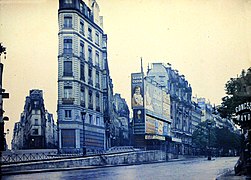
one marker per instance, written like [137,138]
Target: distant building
[36,128]
[121,116]
[196,116]
[207,109]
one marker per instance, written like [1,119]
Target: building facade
[84,83]
[121,117]
[180,93]
[36,128]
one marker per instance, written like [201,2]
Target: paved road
[197,169]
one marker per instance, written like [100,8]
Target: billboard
[137,90]
[153,98]
[157,127]
[157,100]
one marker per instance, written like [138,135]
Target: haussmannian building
[120,129]
[84,83]
[36,128]
[196,115]
[181,106]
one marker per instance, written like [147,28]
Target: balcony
[67,26]
[68,51]
[68,100]
[68,74]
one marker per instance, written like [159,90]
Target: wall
[138,157]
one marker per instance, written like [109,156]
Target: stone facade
[85,88]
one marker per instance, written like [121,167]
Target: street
[199,168]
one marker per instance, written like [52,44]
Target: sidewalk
[230,175]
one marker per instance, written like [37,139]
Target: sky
[208,41]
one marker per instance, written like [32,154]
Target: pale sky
[208,41]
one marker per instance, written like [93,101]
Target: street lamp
[209,125]
[83,113]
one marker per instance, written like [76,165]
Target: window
[35,131]
[97,102]
[90,33]
[82,72]
[82,50]
[67,22]
[81,8]
[97,79]
[98,121]
[82,28]
[90,81]
[68,138]
[67,92]
[36,103]
[82,95]
[68,68]
[97,38]
[90,119]
[90,72]
[67,113]
[90,54]
[97,59]
[36,122]
[68,46]
[90,99]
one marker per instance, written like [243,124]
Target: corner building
[82,77]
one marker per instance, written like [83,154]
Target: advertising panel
[137,90]
[166,105]
[150,125]
[153,98]
[155,126]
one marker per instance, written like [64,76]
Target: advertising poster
[150,125]
[166,105]
[153,98]
[137,90]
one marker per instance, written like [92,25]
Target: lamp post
[209,124]
[83,113]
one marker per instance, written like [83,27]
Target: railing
[68,100]
[68,74]
[15,158]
